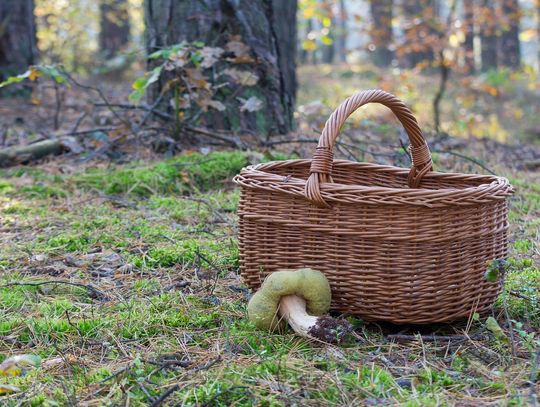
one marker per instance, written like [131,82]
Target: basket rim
[492,187]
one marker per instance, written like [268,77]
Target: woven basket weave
[405,246]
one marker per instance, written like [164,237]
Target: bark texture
[468,45]
[268,27]
[488,35]
[381,32]
[342,34]
[510,49]
[114,26]
[17,37]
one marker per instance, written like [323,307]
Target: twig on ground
[210,206]
[80,132]
[159,113]
[117,373]
[78,122]
[473,160]
[101,95]
[93,291]
[532,377]
[215,135]
[510,326]
[429,338]
[519,295]
[159,401]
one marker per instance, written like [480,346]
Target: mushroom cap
[307,283]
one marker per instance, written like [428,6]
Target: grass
[157,240]
[174,313]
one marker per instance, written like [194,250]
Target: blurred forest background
[467,68]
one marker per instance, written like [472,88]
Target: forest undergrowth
[120,270]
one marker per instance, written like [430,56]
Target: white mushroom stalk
[324,328]
[293,309]
[300,297]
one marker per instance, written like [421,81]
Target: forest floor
[123,276]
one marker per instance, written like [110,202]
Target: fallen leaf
[493,326]
[34,73]
[253,104]
[210,56]
[6,388]
[245,78]
[216,104]
[14,365]
[238,48]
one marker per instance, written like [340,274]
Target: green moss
[42,191]
[523,246]
[71,242]
[15,207]
[523,279]
[177,175]
[6,187]
[56,308]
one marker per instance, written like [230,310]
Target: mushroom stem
[325,328]
[293,309]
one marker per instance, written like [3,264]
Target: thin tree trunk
[267,27]
[488,35]
[329,50]
[510,49]
[114,26]
[468,45]
[342,34]
[381,32]
[304,58]
[17,37]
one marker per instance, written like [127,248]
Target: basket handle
[321,164]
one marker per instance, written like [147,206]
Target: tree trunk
[17,37]
[488,35]
[341,44]
[267,27]
[468,45]
[114,26]
[329,50]
[510,50]
[418,31]
[381,32]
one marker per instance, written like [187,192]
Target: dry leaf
[245,78]
[210,56]
[180,58]
[238,48]
[14,365]
[6,388]
[252,104]
[216,104]
[196,78]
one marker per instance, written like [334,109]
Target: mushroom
[287,294]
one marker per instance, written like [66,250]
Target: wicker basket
[405,246]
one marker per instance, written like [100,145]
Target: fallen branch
[93,291]
[159,113]
[465,157]
[22,154]
[215,135]
[429,338]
